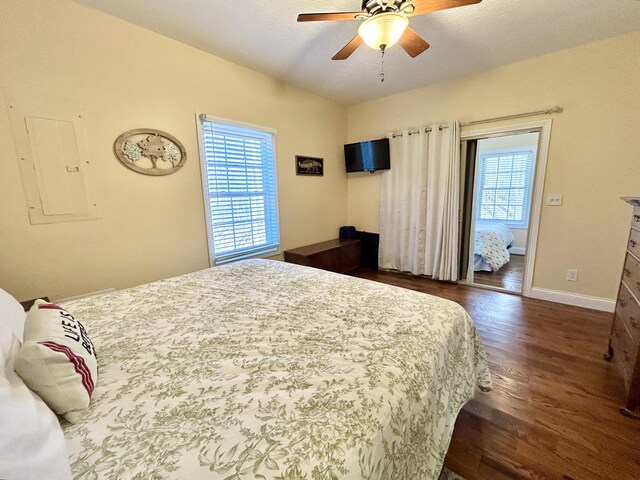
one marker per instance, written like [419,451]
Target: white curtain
[419,203]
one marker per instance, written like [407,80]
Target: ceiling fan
[385,23]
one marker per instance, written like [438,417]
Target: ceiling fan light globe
[383,29]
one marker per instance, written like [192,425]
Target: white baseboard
[517,250]
[586,301]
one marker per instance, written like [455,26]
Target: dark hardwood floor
[510,276]
[553,413]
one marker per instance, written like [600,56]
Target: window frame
[276,251]
[524,224]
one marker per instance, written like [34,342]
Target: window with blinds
[505,187]
[240,184]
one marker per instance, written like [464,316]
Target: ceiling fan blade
[348,49]
[319,17]
[413,43]
[428,6]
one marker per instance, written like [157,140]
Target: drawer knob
[636,217]
[621,302]
[627,272]
[633,243]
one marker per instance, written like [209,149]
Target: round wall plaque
[149,151]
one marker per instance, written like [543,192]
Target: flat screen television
[367,156]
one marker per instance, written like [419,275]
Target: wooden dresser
[339,255]
[625,333]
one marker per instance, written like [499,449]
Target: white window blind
[505,187]
[241,187]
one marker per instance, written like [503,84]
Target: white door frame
[544,128]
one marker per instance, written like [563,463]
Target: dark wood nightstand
[339,255]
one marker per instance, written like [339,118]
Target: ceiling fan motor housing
[373,7]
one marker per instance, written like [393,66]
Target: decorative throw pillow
[57,359]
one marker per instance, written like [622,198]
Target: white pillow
[12,317]
[32,445]
[57,359]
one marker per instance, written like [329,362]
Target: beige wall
[593,158]
[128,77]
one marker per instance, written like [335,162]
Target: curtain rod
[547,111]
[417,130]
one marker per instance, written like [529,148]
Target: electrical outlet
[554,199]
[572,275]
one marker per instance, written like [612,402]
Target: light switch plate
[554,199]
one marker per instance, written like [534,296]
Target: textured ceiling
[264,36]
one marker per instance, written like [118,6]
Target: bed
[491,247]
[268,370]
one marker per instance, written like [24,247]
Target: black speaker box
[348,232]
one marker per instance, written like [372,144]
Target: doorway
[501,194]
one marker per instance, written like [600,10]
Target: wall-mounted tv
[367,156]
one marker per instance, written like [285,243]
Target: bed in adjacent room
[492,242]
[263,369]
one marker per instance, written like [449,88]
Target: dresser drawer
[629,311]
[631,274]
[634,242]
[635,218]
[624,349]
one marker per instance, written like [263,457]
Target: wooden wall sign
[149,151]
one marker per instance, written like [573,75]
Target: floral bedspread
[491,244]
[267,370]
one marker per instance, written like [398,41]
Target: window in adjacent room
[505,186]
[239,178]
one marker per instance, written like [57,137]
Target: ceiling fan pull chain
[382,70]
